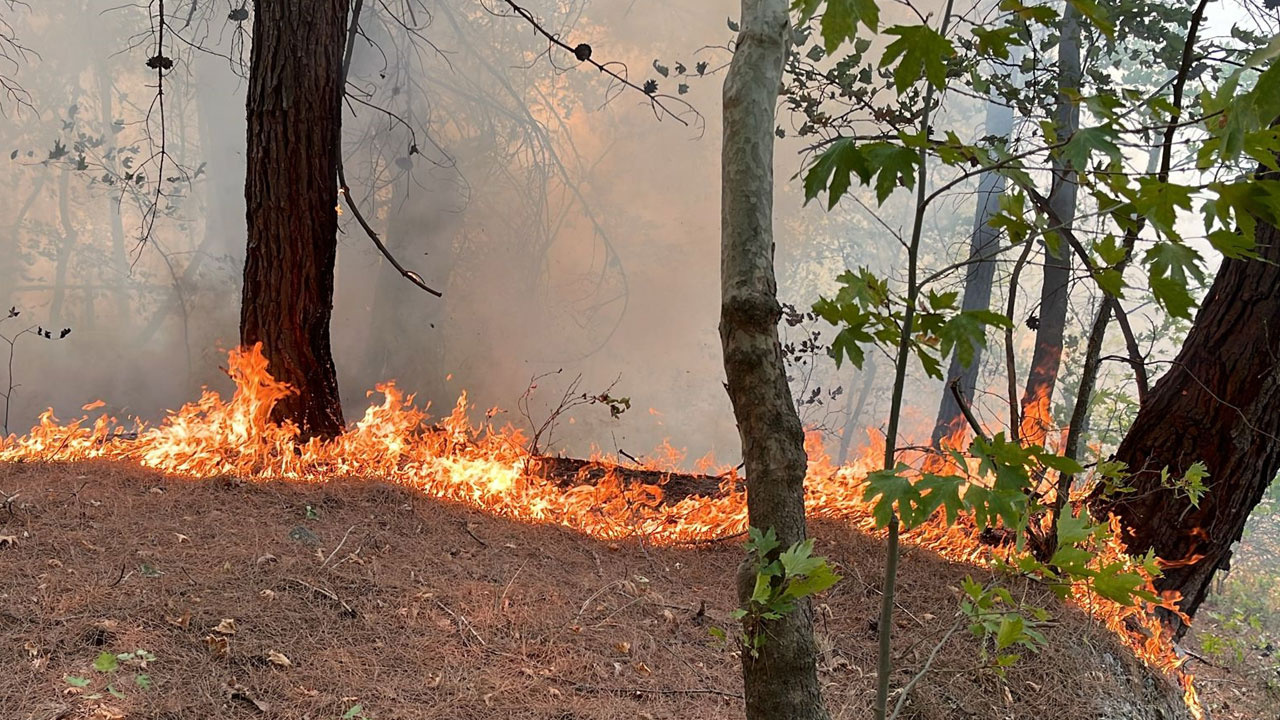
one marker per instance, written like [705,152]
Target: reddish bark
[295,124]
[1219,403]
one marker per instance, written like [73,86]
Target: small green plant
[108,666]
[356,712]
[311,513]
[1113,476]
[1001,622]
[783,578]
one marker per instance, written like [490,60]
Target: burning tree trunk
[782,681]
[1047,356]
[295,122]
[1219,403]
[983,245]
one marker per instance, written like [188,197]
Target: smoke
[568,228]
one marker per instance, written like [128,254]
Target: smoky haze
[568,228]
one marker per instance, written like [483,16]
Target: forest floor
[363,600]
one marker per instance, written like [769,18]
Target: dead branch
[345,190]
[583,53]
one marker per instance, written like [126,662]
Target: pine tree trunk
[294,134]
[1219,403]
[1046,358]
[782,682]
[979,276]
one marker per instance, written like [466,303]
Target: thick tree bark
[979,275]
[295,122]
[1219,403]
[1046,358]
[782,683]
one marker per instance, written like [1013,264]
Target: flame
[1037,417]
[488,467]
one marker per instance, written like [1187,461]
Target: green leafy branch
[783,578]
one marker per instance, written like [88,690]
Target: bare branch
[407,274]
[660,102]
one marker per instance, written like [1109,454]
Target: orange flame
[487,467]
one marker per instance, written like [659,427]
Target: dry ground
[410,608]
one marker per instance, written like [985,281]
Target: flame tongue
[486,467]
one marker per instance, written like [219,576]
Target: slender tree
[1052,318]
[984,243]
[295,122]
[781,681]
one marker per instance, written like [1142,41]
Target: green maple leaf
[1031,14]
[1061,463]
[940,491]
[1085,141]
[799,560]
[1072,560]
[833,171]
[817,580]
[889,164]
[921,52]
[1172,295]
[1012,629]
[840,20]
[1111,281]
[1074,529]
[1122,587]
[1159,203]
[995,42]
[1095,14]
[1170,266]
[889,489]
[893,166]
[967,331]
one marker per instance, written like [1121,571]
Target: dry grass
[415,609]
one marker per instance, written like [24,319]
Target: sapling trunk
[884,663]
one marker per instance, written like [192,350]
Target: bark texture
[782,683]
[294,134]
[1219,403]
[1047,355]
[984,243]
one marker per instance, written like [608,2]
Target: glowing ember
[487,467]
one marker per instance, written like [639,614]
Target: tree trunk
[782,682]
[1037,398]
[294,137]
[66,246]
[1219,403]
[853,421]
[979,275]
[119,271]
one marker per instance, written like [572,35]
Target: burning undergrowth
[487,467]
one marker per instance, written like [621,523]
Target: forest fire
[489,468]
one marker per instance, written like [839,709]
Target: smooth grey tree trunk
[984,243]
[782,683]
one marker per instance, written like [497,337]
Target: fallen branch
[646,691]
[462,622]
[340,544]
[325,593]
